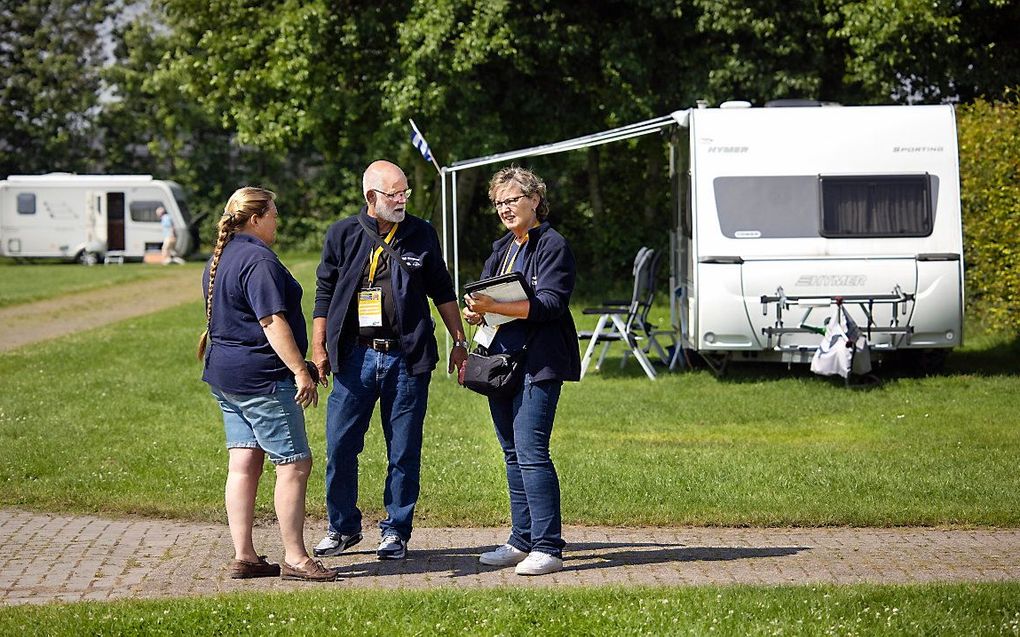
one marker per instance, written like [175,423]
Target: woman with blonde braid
[254,353]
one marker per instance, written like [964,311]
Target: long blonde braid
[244,204]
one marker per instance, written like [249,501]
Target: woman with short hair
[254,354]
[545,328]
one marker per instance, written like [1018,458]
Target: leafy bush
[990,192]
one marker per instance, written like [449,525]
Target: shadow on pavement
[610,558]
[460,562]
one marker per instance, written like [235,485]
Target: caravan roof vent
[797,103]
[735,104]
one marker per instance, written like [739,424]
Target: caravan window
[26,203]
[876,206]
[751,207]
[145,210]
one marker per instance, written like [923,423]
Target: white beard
[387,213]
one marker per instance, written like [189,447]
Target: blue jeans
[366,376]
[523,427]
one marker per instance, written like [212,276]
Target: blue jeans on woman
[523,427]
[366,376]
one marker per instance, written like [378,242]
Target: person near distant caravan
[169,237]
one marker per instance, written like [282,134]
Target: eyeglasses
[406,193]
[512,201]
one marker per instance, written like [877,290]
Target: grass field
[737,610]
[23,283]
[116,420]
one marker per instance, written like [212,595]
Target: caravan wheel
[922,362]
[86,257]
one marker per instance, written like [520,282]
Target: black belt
[379,344]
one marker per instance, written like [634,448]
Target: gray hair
[529,182]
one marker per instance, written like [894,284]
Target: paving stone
[138,558]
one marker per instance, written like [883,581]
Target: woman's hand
[473,318]
[479,303]
[482,304]
[307,392]
[281,339]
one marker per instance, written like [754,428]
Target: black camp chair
[621,320]
[651,332]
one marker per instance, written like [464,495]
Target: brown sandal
[314,572]
[240,569]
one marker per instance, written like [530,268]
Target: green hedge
[990,193]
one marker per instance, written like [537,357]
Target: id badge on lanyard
[370,307]
[370,298]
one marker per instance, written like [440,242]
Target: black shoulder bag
[495,375]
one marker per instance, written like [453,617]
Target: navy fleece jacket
[344,256]
[549,269]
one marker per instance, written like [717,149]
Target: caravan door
[115,221]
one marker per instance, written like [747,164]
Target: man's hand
[321,361]
[458,356]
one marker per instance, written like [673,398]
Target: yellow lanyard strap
[374,263]
[508,263]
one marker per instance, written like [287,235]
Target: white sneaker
[505,555]
[538,563]
[393,547]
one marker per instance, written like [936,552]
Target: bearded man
[373,330]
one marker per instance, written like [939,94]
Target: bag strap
[377,240]
[531,337]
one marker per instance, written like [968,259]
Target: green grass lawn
[116,420]
[22,283]
[964,609]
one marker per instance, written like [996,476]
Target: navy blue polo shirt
[251,284]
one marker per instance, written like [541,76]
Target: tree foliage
[50,54]
[300,95]
[990,194]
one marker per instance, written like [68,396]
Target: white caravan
[85,217]
[784,212]
[780,214]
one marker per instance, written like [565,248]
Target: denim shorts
[274,423]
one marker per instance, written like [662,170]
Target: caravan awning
[596,139]
[638,129]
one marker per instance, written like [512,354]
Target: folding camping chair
[618,320]
[652,334]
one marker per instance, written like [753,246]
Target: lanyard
[508,263]
[374,263]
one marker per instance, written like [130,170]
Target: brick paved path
[47,557]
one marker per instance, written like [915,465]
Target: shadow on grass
[461,562]
[996,357]
[1000,358]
